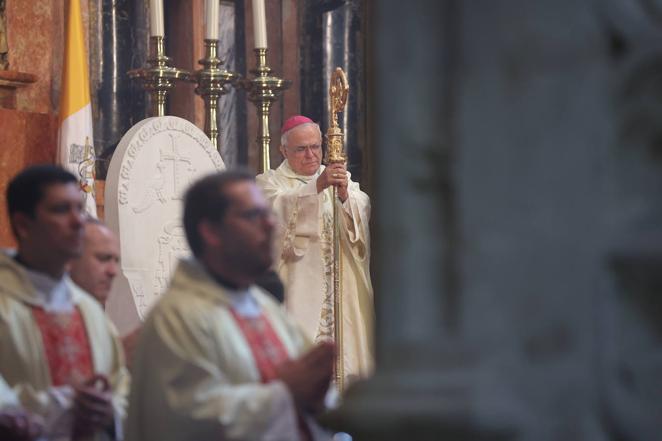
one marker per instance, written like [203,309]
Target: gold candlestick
[263,90]
[338,91]
[211,80]
[158,76]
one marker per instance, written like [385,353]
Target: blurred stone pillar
[427,385]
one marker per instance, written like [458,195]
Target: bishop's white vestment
[304,261]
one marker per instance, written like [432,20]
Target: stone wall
[28,124]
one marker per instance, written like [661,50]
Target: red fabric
[294,121]
[66,345]
[268,351]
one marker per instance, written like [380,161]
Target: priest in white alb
[60,356]
[218,359]
[300,194]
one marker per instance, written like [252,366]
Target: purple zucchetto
[294,121]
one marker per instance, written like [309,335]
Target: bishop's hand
[335,174]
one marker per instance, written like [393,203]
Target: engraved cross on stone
[180,179]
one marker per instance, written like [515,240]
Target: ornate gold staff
[338,91]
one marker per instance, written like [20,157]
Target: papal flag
[75,150]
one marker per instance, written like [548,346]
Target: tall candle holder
[158,76]
[211,80]
[263,90]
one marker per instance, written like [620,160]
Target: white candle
[211,19]
[259,24]
[156,18]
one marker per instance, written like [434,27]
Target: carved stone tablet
[153,165]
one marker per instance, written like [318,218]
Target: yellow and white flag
[75,150]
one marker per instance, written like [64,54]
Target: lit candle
[156,18]
[211,19]
[259,24]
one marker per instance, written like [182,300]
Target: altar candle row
[212,21]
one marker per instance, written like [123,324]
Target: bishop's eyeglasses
[301,149]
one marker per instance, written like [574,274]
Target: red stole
[66,346]
[268,353]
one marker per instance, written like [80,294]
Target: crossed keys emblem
[86,168]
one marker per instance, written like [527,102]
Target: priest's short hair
[27,188]
[206,200]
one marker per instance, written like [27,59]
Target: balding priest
[300,194]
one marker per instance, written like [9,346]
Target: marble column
[343,40]
[228,114]
[118,43]
[334,36]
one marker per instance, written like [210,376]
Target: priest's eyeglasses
[255,214]
[301,149]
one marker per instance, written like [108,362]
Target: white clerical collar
[244,303]
[241,299]
[53,293]
[288,172]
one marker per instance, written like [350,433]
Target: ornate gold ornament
[212,80]
[338,92]
[159,76]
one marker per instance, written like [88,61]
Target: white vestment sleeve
[297,211]
[8,399]
[284,419]
[119,381]
[53,404]
[356,209]
[191,391]
[234,412]
[108,359]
